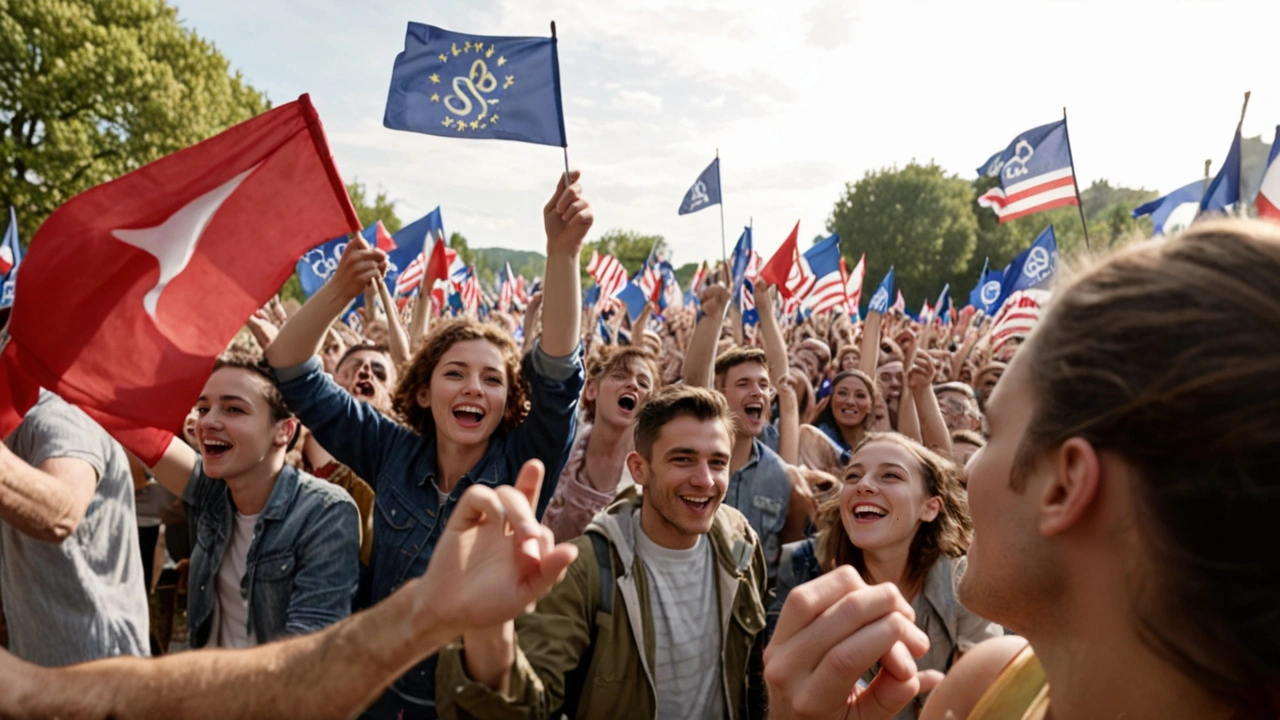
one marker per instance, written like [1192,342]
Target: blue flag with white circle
[704,192]
[880,300]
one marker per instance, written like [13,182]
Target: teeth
[471,409]
[217,444]
[871,509]
[696,500]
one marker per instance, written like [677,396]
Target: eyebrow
[225,398]
[693,451]
[462,364]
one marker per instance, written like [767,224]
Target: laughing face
[684,482]
[850,402]
[746,387]
[468,393]
[884,499]
[619,394]
[236,432]
[368,375]
[889,378]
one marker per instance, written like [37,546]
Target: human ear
[639,468]
[1072,487]
[932,507]
[423,397]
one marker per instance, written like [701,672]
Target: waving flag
[747,298]
[854,286]
[469,292]
[786,269]
[1268,200]
[315,267]
[704,192]
[880,300]
[508,290]
[828,288]
[414,244]
[125,272]
[1175,210]
[10,257]
[986,293]
[900,304]
[1017,317]
[608,274]
[1033,268]
[942,308]
[476,86]
[634,298]
[742,254]
[1035,174]
[695,285]
[1224,191]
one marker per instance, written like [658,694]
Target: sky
[799,97]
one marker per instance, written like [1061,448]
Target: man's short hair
[969,436]
[669,403]
[960,387]
[739,356]
[363,347]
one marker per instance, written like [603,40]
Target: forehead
[630,364]
[706,436]
[235,381]
[473,352]
[950,394]
[373,356]
[852,383]
[893,366]
[884,452]
[744,370]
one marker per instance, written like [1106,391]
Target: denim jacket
[303,562]
[401,466]
[761,490]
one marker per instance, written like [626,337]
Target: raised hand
[714,298]
[494,559]
[567,217]
[920,374]
[831,631]
[359,265]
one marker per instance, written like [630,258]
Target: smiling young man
[276,550]
[659,614]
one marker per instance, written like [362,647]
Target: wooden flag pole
[724,255]
[1079,201]
[1240,209]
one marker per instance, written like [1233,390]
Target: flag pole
[1074,182]
[1239,209]
[724,255]
[1208,163]
[564,147]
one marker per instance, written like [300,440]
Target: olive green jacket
[615,679]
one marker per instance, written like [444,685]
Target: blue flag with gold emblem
[476,86]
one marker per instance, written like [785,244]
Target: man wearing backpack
[659,615]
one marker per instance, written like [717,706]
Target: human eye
[380,372]
[201,410]
[494,380]
[453,374]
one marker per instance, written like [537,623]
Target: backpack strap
[575,679]
[604,558]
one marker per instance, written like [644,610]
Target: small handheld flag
[414,244]
[880,300]
[742,253]
[987,293]
[1035,174]
[1224,191]
[476,86]
[318,263]
[1175,210]
[853,286]
[1268,200]
[1033,268]
[824,262]
[704,192]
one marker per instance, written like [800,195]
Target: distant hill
[489,262]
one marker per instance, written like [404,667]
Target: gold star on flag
[467,46]
[475,124]
[494,118]
[479,47]
[489,53]
[434,78]
[511,80]
[447,122]
[502,60]
[443,58]
[456,52]
[435,97]
[461,126]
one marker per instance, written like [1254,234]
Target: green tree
[91,89]
[684,274]
[629,247]
[917,219]
[459,243]
[381,208]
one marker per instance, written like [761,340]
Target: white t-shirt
[686,629]
[231,613]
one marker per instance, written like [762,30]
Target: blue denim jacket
[761,490]
[400,465]
[303,563]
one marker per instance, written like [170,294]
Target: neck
[251,490]
[741,453]
[606,453]
[453,461]
[852,435]
[661,532]
[890,565]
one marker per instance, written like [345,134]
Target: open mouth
[696,505]
[215,448]
[364,388]
[866,512]
[628,402]
[754,411]
[469,416]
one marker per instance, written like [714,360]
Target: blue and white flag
[828,288]
[1035,172]
[634,298]
[10,258]
[741,260]
[880,300]
[476,86]
[747,297]
[1224,191]
[414,243]
[320,262]
[942,308]
[1175,210]
[986,293]
[1033,268]
[705,191]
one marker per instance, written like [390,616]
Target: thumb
[357,242]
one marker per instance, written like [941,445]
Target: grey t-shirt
[83,598]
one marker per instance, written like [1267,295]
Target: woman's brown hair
[947,534]
[1168,354]
[424,362]
[824,413]
[612,357]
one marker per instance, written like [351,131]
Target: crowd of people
[816,517]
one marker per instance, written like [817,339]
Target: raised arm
[933,426]
[174,468]
[700,358]
[301,336]
[775,348]
[871,343]
[567,217]
[397,338]
[46,502]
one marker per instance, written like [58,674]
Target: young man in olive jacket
[659,615]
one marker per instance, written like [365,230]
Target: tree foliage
[92,89]
[380,208]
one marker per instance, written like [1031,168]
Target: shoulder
[321,494]
[971,676]
[54,428]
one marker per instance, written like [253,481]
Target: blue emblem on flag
[1035,174]
[741,258]
[880,300]
[315,267]
[1032,268]
[10,257]
[705,191]
[476,86]
[1175,210]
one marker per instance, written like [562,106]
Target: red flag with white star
[148,277]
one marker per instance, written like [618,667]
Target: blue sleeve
[547,432]
[355,433]
[328,556]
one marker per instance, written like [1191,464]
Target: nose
[865,486]
[208,420]
[472,384]
[702,476]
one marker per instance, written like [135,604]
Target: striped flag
[900,304]
[429,229]
[1017,317]
[470,292]
[1035,171]
[1268,201]
[695,285]
[853,285]
[507,292]
[608,274]
[824,262]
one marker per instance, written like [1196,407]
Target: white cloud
[637,101]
